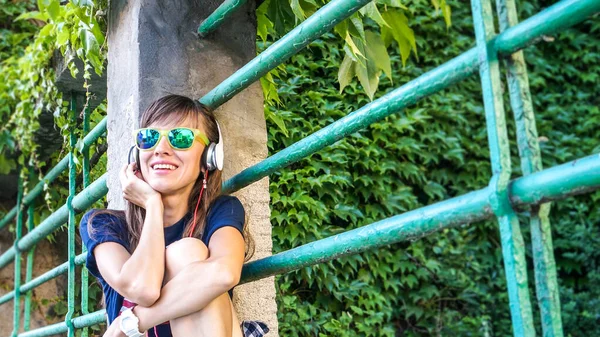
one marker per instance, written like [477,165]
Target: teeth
[164,166]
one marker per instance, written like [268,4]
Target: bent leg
[218,318]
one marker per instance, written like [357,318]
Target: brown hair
[180,108]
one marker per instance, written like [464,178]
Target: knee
[183,252]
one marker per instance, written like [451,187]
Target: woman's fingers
[123,176]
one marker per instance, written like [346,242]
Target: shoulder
[102,220]
[226,208]
[225,211]
[227,203]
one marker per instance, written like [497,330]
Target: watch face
[128,323]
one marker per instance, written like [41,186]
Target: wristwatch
[130,324]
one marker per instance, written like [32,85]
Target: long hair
[182,109]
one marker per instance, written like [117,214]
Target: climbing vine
[450,283]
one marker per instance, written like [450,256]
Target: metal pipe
[216,18]
[546,283]
[62,165]
[451,72]
[551,184]
[81,202]
[316,25]
[45,277]
[78,322]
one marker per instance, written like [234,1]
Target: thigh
[214,320]
[236,330]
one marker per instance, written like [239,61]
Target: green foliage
[27,77]
[366,50]
[451,282]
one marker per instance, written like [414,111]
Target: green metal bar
[86,183]
[71,221]
[513,245]
[81,202]
[552,20]
[35,192]
[559,182]
[78,322]
[47,276]
[30,257]
[223,12]
[531,161]
[17,257]
[93,135]
[98,131]
[555,183]
[316,25]
[450,73]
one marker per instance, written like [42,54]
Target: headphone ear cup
[210,157]
[204,158]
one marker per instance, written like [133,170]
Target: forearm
[198,284]
[144,270]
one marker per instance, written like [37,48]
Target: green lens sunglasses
[179,138]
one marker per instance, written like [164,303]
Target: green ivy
[451,282]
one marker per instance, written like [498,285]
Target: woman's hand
[135,189]
[114,330]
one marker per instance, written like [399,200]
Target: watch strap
[129,324]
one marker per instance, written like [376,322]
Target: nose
[163,147]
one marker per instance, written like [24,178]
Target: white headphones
[213,154]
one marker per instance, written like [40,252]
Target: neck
[175,206]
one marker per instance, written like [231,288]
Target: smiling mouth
[164,167]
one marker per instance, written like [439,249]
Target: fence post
[513,247]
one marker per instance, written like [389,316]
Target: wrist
[129,324]
[154,202]
[140,312]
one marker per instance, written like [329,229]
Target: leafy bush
[451,282]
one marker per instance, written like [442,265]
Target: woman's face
[186,163]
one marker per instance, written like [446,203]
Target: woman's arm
[199,283]
[138,276]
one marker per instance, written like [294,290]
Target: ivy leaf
[54,10]
[264,25]
[297,9]
[280,13]
[63,36]
[392,3]
[399,31]
[351,47]
[377,52]
[33,15]
[372,12]
[447,12]
[357,28]
[367,73]
[269,115]
[346,72]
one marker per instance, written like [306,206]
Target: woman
[173,196]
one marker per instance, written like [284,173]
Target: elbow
[230,278]
[143,295]
[225,276]
[148,299]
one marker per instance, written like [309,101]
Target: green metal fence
[499,199]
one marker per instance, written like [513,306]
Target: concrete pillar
[153,51]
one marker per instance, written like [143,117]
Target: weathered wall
[154,50]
